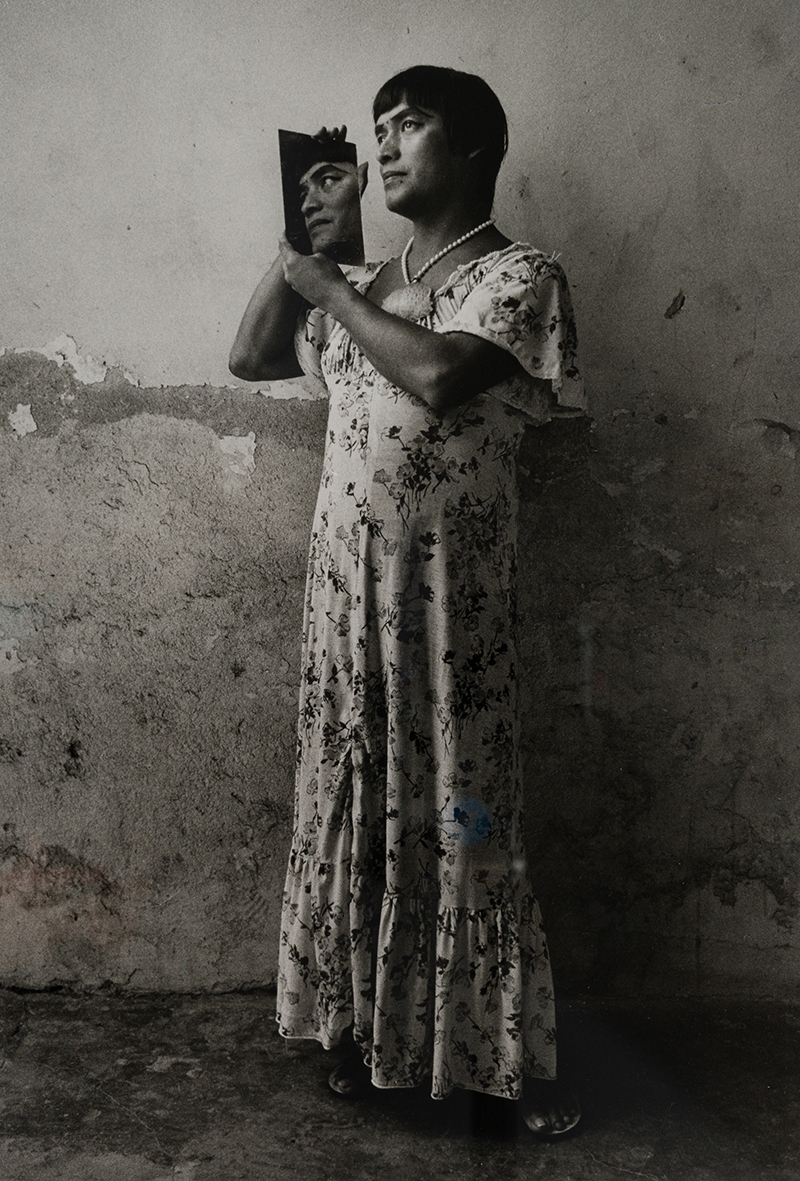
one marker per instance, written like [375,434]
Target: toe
[550,1111]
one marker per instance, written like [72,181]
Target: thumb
[285,248]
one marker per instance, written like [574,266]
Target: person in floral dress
[409,925]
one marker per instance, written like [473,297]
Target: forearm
[443,370]
[264,344]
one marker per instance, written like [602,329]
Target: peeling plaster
[16,623]
[91,371]
[239,450]
[295,387]
[675,307]
[21,419]
[64,350]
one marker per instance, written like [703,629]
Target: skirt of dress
[408,912]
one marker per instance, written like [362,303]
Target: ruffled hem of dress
[445,996]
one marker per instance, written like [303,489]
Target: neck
[456,245]
[432,234]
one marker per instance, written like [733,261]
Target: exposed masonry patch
[153,562]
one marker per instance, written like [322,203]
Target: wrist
[343,299]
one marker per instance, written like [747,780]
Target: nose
[310,202]
[387,149]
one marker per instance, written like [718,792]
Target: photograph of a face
[321,196]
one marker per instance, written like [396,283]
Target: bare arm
[443,369]
[264,346]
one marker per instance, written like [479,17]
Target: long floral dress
[408,912]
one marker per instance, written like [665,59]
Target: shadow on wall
[660,658]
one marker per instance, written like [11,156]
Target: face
[418,168]
[330,204]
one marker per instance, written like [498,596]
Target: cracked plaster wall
[154,539]
[152,573]
[153,563]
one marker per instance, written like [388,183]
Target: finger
[335,133]
[285,248]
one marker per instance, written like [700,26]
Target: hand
[313,276]
[334,135]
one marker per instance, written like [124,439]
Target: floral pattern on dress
[408,911]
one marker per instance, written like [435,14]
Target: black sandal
[351,1078]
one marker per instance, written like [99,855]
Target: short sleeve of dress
[522,303]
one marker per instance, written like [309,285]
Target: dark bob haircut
[470,110]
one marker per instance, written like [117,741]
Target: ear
[362,171]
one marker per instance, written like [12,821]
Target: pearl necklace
[431,261]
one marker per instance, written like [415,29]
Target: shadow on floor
[109,1087]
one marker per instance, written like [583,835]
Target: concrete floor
[109,1087]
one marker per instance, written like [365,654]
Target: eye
[410,123]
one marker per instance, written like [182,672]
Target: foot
[351,1077]
[549,1109]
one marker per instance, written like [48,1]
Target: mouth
[387,176]
[317,223]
